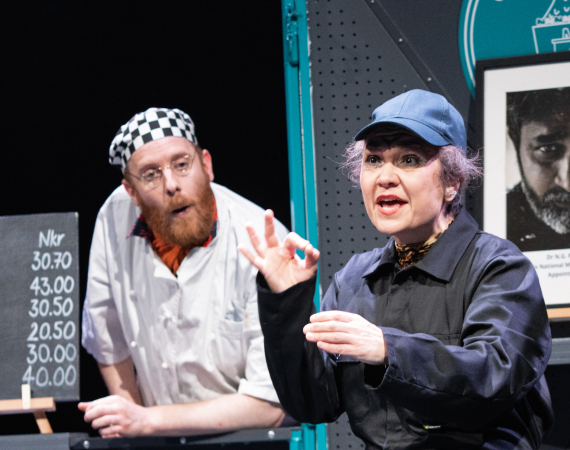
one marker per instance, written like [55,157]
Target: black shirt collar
[443,257]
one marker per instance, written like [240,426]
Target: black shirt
[467,337]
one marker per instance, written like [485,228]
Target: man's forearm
[120,380]
[122,414]
[225,413]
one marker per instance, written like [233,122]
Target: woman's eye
[410,160]
[373,160]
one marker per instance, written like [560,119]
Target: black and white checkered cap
[144,127]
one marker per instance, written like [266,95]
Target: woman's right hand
[278,263]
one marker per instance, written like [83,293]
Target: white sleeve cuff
[258,391]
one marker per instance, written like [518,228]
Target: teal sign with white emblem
[501,28]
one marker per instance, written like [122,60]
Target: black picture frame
[505,199]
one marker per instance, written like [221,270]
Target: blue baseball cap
[426,114]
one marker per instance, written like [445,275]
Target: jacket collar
[444,255]
[388,257]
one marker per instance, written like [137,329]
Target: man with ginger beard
[538,208]
[170,313]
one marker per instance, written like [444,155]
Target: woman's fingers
[311,256]
[347,334]
[331,338]
[292,242]
[372,352]
[279,262]
[327,327]
[255,241]
[340,316]
[256,260]
[295,242]
[334,332]
[270,237]
[338,349]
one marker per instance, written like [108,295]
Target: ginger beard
[190,231]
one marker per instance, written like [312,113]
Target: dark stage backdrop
[74,71]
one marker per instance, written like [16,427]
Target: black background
[74,71]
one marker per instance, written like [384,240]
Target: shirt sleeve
[257,381]
[102,333]
[505,346]
[302,374]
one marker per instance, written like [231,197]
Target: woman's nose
[387,175]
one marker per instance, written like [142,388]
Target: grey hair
[353,161]
[455,168]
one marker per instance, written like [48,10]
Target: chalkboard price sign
[39,306]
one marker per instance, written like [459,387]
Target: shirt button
[133,344]
[164,365]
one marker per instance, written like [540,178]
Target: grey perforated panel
[355,66]
[340,437]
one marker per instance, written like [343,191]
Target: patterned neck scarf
[410,254]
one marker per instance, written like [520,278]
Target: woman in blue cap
[440,339]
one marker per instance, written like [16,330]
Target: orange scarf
[171,255]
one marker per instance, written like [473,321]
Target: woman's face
[401,186]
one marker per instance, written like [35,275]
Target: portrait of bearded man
[538,207]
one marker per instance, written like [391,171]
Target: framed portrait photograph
[523,108]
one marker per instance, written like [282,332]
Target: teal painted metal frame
[302,174]
[304,439]
[299,120]
[296,442]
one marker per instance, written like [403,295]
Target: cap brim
[423,131]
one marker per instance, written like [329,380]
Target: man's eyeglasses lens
[152,176]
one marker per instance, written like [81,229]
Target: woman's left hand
[344,333]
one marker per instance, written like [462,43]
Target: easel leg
[42,421]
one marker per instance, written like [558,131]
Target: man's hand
[116,416]
[344,333]
[278,263]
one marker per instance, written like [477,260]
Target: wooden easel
[36,406]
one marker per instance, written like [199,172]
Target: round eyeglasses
[151,176]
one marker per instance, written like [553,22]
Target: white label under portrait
[553,269]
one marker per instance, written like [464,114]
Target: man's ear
[131,191]
[207,163]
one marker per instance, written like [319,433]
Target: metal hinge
[292,36]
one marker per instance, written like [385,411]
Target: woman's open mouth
[389,204]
